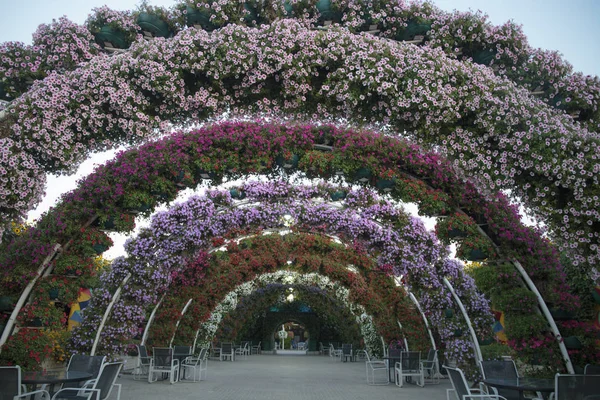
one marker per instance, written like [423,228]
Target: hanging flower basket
[154,25]
[199,17]
[477,255]
[6,303]
[484,56]
[53,293]
[237,194]
[251,14]
[385,185]
[338,195]
[414,28]
[596,294]
[289,161]
[111,37]
[561,315]
[486,341]
[362,175]
[99,248]
[327,12]
[572,342]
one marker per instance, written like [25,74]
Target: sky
[571,27]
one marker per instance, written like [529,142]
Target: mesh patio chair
[460,389]
[11,387]
[335,353]
[324,350]
[500,369]
[409,367]
[163,362]
[227,352]
[196,365]
[143,363]
[430,368]
[374,367]
[256,349]
[85,363]
[242,350]
[591,369]
[99,390]
[346,352]
[577,387]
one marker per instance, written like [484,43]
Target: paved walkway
[280,377]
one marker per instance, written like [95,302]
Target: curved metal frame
[107,313]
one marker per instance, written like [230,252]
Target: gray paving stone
[280,377]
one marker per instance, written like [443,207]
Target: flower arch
[561,154]
[156,171]
[497,133]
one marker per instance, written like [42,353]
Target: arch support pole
[21,302]
[115,297]
[179,320]
[478,355]
[151,319]
[547,315]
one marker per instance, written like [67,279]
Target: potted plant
[27,348]
[455,227]
[116,29]
[475,248]
[157,21]
[40,313]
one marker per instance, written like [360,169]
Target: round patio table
[53,377]
[542,385]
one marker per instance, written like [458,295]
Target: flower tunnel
[479,131]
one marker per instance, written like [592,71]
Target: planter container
[115,37]
[99,248]
[458,332]
[385,185]
[449,313]
[486,341]
[413,28]
[199,17]
[53,294]
[457,234]
[326,11]
[251,14]
[108,225]
[596,294]
[561,315]
[6,303]
[337,196]
[484,56]
[237,194]
[288,163]
[476,255]
[572,342]
[35,323]
[363,175]
[153,24]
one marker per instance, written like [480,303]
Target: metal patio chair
[100,389]
[500,369]
[196,365]
[460,388]
[12,388]
[409,367]
[163,362]
[577,387]
[374,367]
[430,368]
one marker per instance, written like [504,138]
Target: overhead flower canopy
[464,111]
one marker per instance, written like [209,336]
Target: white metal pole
[549,318]
[151,319]
[179,320]
[13,316]
[107,313]
[478,355]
